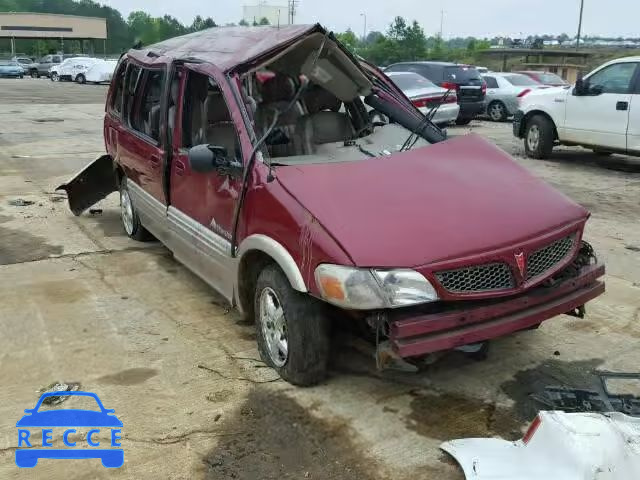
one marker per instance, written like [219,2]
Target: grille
[479,278]
[548,257]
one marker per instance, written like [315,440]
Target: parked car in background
[545,78]
[42,66]
[72,69]
[504,91]
[11,68]
[426,95]
[482,70]
[101,71]
[463,79]
[601,113]
[25,62]
[285,198]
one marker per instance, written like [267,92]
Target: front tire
[34,74]
[497,111]
[129,215]
[539,138]
[292,329]
[80,78]
[54,77]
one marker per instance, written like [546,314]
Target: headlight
[366,289]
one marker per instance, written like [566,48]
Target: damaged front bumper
[414,334]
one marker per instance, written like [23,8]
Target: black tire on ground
[54,77]
[130,218]
[306,328]
[34,74]
[21,76]
[539,137]
[497,111]
[80,78]
[463,121]
[602,153]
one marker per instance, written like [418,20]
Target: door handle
[180,167]
[622,106]
[155,161]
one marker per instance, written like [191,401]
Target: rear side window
[118,88]
[411,81]
[521,80]
[146,112]
[459,73]
[491,82]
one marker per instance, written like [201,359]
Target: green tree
[348,39]
[264,21]
[243,23]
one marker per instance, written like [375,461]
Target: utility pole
[441,22]
[580,25]
[292,11]
[364,31]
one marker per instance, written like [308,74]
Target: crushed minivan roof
[228,47]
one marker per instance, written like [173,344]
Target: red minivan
[257,156]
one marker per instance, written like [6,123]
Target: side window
[614,78]
[118,88]
[491,82]
[206,118]
[131,80]
[394,68]
[146,112]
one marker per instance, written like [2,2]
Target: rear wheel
[54,77]
[34,73]
[292,329]
[539,137]
[129,215]
[80,78]
[497,111]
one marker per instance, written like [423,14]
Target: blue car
[11,68]
[28,457]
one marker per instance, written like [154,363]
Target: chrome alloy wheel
[274,327]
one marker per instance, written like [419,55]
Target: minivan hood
[453,199]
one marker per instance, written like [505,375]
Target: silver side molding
[280,254]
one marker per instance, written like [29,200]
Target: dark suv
[464,79]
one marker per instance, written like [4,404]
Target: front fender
[278,253]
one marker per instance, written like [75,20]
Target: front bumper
[414,335]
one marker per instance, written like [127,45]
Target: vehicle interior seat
[220,130]
[171,113]
[277,93]
[152,123]
[324,123]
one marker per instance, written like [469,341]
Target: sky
[479,18]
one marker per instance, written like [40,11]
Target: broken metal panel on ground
[559,446]
[91,184]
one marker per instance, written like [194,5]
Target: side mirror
[206,158]
[581,88]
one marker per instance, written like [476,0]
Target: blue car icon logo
[35,433]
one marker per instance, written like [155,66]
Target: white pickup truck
[601,112]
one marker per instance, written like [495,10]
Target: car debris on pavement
[557,446]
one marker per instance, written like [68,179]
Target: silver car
[504,91]
[426,95]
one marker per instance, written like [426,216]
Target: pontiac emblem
[520,262]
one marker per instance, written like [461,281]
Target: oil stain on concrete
[272,437]
[552,373]
[447,416]
[17,246]
[131,376]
